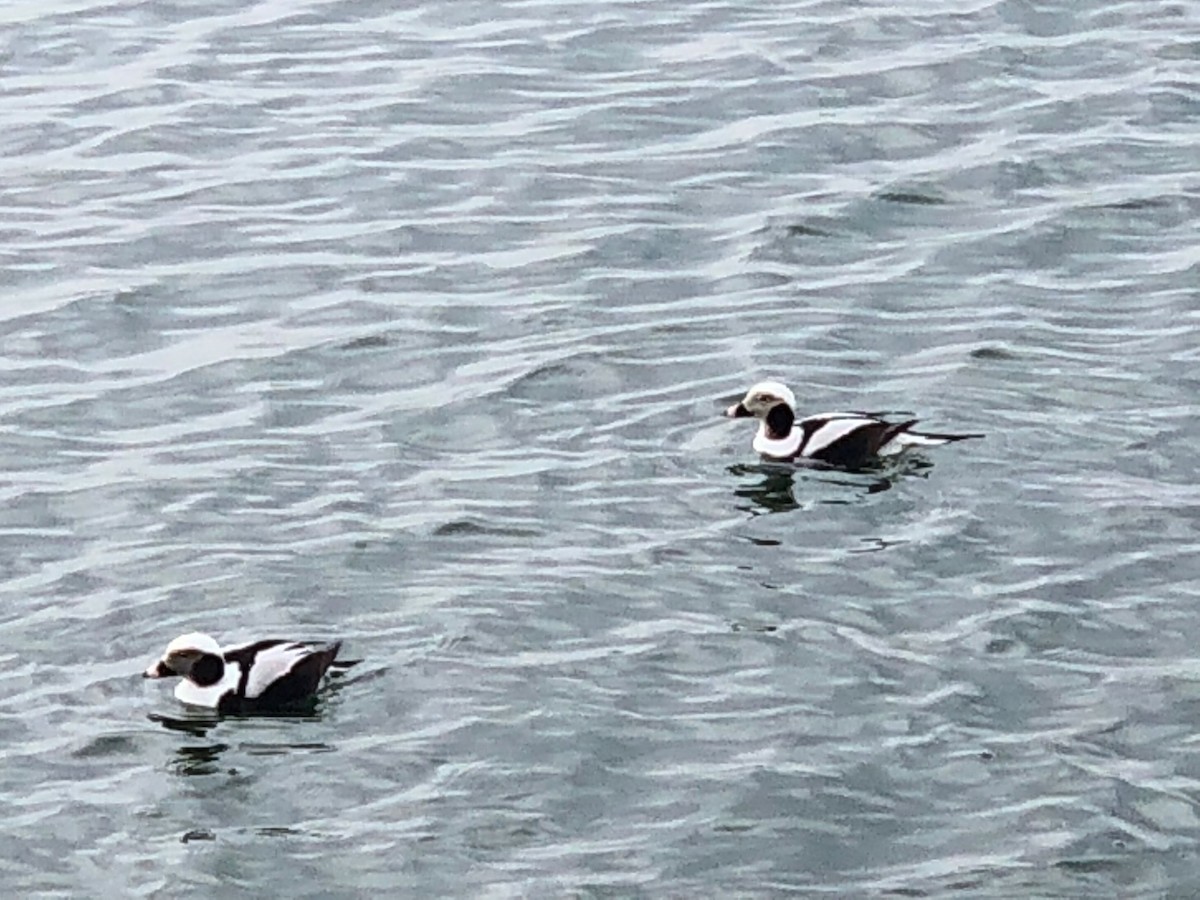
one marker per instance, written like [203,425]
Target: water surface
[412,326]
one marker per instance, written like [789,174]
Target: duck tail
[903,437]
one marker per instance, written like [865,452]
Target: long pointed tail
[924,439]
[333,665]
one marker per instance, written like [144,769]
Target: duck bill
[159,670]
[738,411]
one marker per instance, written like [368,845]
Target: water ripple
[410,326]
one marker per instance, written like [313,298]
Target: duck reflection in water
[775,490]
[192,759]
[205,758]
[193,721]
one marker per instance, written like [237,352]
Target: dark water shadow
[198,722]
[259,748]
[205,759]
[775,490]
[194,722]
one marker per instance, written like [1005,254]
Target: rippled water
[411,326]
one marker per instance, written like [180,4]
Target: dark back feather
[301,681]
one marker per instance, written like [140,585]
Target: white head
[761,399]
[193,656]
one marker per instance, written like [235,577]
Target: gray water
[410,324]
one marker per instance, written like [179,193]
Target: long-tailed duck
[263,676]
[845,439]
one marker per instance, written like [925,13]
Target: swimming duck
[262,676]
[844,439]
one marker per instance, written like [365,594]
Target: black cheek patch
[207,670]
[779,421]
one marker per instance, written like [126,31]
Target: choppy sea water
[411,326]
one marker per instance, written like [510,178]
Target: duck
[846,440]
[271,675]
